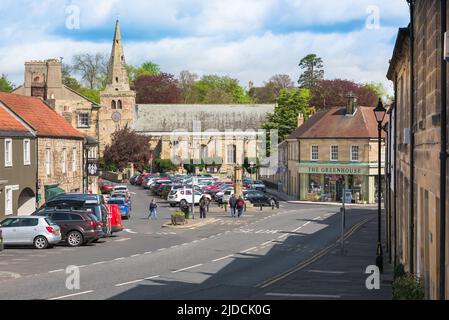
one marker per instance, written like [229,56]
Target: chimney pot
[300,119]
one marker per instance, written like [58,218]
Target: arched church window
[119,104]
[37,79]
[113,104]
[116,79]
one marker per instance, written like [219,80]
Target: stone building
[18,165]
[418,180]
[59,146]
[219,135]
[335,149]
[117,100]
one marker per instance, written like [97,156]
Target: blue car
[125,211]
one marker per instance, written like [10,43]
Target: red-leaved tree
[160,88]
[332,93]
[128,147]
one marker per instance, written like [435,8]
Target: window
[74,160]
[119,104]
[334,153]
[232,154]
[26,152]
[60,216]
[314,153]
[28,222]
[76,217]
[113,104]
[64,161]
[354,153]
[8,153]
[8,200]
[48,161]
[83,120]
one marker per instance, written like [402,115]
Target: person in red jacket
[240,204]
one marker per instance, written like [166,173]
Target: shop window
[314,153]
[354,153]
[334,153]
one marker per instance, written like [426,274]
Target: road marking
[268,242]
[188,268]
[174,246]
[161,249]
[308,222]
[317,218]
[121,240]
[72,295]
[100,262]
[247,250]
[223,258]
[54,271]
[184,244]
[302,295]
[326,271]
[135,255]
[119,259]
[153,277]
[82,266]
[195,241]
[148,252]
[130,231]
[130,282]
[283,236]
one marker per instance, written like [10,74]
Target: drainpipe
[412,140]
[443,157]
[395,261]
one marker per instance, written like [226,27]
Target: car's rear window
[118,201]
[50,222]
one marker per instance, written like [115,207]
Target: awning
[52,192]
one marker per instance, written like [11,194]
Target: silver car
[39,232]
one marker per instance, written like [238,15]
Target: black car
[259,198]
[78,227]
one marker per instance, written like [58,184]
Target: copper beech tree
[128,147]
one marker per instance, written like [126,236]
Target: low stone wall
[112,176]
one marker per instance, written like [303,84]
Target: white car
[177,196]
[121,188]
[227,194]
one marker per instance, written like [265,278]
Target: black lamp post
[379,113]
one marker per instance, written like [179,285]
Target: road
[227,259]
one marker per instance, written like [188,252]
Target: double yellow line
[312,259]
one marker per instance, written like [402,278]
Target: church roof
[44,120]
[170,117]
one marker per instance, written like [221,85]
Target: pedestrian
[240,205]
[232,203]
[203,205]
[153,209]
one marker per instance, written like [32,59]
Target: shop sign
[334,170]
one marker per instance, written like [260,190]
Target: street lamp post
[379,112]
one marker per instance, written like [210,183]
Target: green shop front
[325,181]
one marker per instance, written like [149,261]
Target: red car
[114,217]
[106,188]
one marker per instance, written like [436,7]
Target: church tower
[117,100]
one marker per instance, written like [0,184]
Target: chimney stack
[351,105]
[300,119]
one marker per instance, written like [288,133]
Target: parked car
[123,206]
[106,188]
[39,232]
[115,218]
[1,240]
[78,227]
[259,198]
[183,196]
[226,195]
[258,185]
[133,179]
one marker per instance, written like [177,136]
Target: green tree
[67,78]
[164,165]
[284,118]
[313,72]
[5,84]
[148,68]
[379,89]
[216,89]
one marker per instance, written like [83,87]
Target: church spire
[117,79]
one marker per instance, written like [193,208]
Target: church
[217,136]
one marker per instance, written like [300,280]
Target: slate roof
[334,123]
[44,120]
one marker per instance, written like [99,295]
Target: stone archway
[26,203]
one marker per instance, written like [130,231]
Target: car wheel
[272,203]
[183,203]
[75,239]
[40,242]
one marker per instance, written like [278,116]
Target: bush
[408,287]
[399,271]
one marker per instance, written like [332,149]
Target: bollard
[225,206]
[261,207]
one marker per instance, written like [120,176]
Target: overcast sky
[250,40]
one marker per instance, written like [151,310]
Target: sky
[250,40]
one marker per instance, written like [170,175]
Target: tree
[213,89]
[313,72]
[186,81]
[127,147]
[333,93]
[271,89]
[161,88]
[92,69]
[284,118]
[379,89]
[5,84]
[148,68]
[67,78]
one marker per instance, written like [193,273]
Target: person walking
[203,205]
[240,205]
[232,204]
[153,209]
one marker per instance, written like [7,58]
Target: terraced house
[59,146]
[18,165]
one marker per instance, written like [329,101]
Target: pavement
[235,259]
